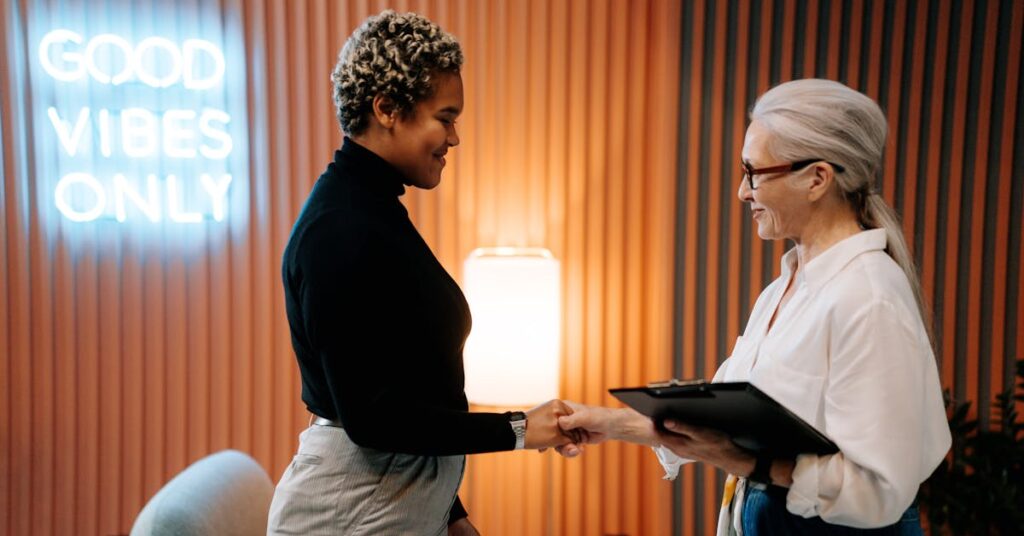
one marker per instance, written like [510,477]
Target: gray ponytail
[824,119]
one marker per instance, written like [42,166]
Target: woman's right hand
[542,430]
[599,424]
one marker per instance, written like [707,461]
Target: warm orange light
[512,355]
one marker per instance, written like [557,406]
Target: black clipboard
[751,418]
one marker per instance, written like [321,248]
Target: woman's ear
[821,181]
[385,111]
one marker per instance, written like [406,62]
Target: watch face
[516,416]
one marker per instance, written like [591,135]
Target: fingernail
[669,423]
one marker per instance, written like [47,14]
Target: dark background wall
[947,74]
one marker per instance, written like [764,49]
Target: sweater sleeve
[373,369]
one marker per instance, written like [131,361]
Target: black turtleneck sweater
[377,324]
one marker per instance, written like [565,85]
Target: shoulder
[872,288]
[329,237]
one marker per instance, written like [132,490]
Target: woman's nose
[744,193]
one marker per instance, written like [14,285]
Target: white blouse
[850,355]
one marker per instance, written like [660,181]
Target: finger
[569,422]
[569,450]
[678,427]
[576,435]
[561,408]
[575,406]
[672,438]
[685,429]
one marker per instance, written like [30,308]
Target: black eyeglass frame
[749,172]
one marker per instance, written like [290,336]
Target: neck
[375,139]
[824,229]
[369,142]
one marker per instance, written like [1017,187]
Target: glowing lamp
[512,355]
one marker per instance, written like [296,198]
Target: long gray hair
[824,119]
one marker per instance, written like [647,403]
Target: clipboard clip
[674,383]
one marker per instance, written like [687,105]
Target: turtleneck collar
[373,172]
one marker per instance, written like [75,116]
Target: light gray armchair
[226,493]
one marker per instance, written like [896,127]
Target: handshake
[568,426]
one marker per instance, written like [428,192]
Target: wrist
[628,425]
[761,472]
[518,421]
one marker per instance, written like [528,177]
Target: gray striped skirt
[334,486]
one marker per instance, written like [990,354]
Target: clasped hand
[567,426]
[595,424]
[543,431]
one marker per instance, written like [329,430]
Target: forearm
[630,426]
[846,493]
[425,430]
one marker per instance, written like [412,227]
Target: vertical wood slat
[5,320]
[690,161]
[936,85]
[15,443]
[66,421]
[951,170]
[614,257]
[595,267]
[1006,163]
[978,208]
[712,306]
[954,207]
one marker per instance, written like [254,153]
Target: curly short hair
[391,54]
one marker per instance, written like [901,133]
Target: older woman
[377,324]
[839,338]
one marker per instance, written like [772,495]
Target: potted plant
[979,488]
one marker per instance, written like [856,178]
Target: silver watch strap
[519,428]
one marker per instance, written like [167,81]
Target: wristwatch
[762,473]
[518,421]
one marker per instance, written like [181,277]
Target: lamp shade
[512,354]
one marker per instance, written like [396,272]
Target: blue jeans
[764,513]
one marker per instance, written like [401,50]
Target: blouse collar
[831,261]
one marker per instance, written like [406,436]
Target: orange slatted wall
[126,359]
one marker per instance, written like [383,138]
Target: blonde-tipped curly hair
[394,55]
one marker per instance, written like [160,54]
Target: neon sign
[167,161]
[133,64]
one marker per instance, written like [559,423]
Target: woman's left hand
[707,445]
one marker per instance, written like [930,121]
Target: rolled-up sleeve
[883,408]
[669,461]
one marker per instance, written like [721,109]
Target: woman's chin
[766,233]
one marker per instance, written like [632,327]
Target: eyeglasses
[749,172]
